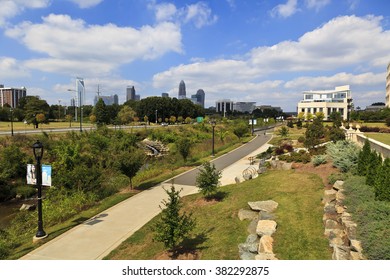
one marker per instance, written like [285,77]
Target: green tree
[336,118]
[314,133]
[375,162]
[129,162]
[101,113]
[126,115]
[240,129]
[173,226]
[336,134]
[363,159]
[33,106]
[207,180]
[283,132]
[382,182]
[184,147]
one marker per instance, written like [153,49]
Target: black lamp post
[12,121]
[38,154]
[213,125]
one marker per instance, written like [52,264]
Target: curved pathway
[97,237]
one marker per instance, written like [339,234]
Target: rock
[338,185]
[265,256]
[266,227]
[248,248]
[330,208]
[340,196]
[252,226]
[356,256]
[247,256]
[262,170]
[333,233]
[331,224]
[337,241]
[27,207]
[274,163]
[340,209]
[286,166]
[265,216]
[329,196]
[341,253]
[356,246]
[252,238]
[244,214]
[267,206]
[266,244]
[237,180]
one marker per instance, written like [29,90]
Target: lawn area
[6,126]
[381,137]
[219,231]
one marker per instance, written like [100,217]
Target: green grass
[381,137]
[219,231]
[6,126]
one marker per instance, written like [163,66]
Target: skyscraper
[130,93]
[199,97]
[11,96]
[182,90]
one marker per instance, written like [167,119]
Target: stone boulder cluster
[339,227]
[259,243]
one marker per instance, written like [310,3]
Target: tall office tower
[130,93]
[198,98]
[11,96]
[388,86]
[182,90]
[164,94]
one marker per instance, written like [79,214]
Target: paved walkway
[97,237]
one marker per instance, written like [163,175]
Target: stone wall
[339,226]
[259,243]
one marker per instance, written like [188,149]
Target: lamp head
[38,150]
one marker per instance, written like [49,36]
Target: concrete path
[97,237]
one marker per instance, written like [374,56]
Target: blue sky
[246,50]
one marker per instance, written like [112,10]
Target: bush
[338,176]
[301,139]
[369,129]
[372,217]
[207,180]
[344,155]
[319,159]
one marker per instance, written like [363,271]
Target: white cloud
[83,4]
[72,44]
[199,13]
[316,4]
[285,10]
[11,68]
[11,8]
[355,48]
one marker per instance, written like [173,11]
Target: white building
[244,107]
[388,86]
[327,102]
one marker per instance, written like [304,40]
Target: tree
[40,118]
[283,132]
[240,129]
[314,133]
[33,106]
[207,180]
[363,159]
[69,118]
[374,163]
[320,115]
[126,115]
[184,147]
[336,134]
[129,162]
[101,113]
[382,182]
[173,226]
[336,118]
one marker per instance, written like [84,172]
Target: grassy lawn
[381,137]
[6,126]
[294,134]
[219,231]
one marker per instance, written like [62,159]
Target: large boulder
[27,207]
[329,196]
[266,206]
[244,214]
[266,244]
[266,227]
[265,256]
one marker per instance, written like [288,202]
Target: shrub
[372,217]
[207,180]
[382,181]
[173,226]
[319,159]
[344,155]
[301,139]
[332,178]
[369,129]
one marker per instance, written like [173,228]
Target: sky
[261,51]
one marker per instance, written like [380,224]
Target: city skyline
[264,51]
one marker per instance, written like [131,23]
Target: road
[189,178]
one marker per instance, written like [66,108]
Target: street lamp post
[156,116]
[12,121]
[38,154]
[213,125]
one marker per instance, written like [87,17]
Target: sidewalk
[97,237]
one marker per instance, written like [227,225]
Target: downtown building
[327,101]
[11,96]
[107,99]
[131,95]
[226,106]
[199,98]
[388,86]
[182,90]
